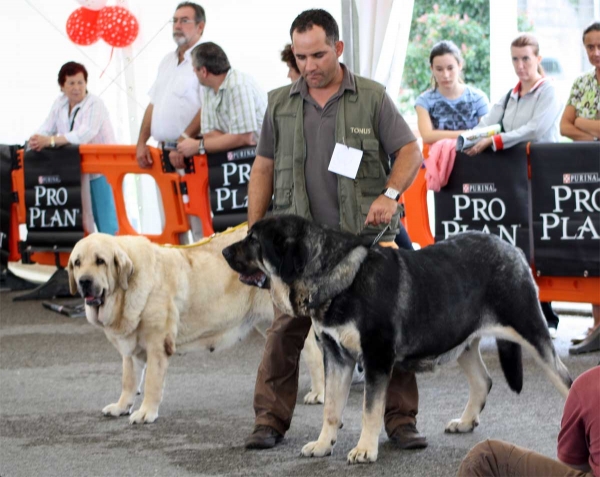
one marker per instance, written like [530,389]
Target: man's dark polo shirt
[319,134]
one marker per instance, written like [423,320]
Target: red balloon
[82,26]
[117,26]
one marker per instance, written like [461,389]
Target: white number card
[345,160]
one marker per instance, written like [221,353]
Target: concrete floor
[56,374]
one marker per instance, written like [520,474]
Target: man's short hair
[593,27]
[287,56]
[309,18]
[199,11]
[212,57]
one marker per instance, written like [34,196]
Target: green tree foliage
[466,23]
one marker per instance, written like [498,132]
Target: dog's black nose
[228,253]
[85,283]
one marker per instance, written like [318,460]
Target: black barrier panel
[487,192]
[8,160]
[228,177]
[53,196]
[565,188]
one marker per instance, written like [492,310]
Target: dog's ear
[72,282]
[329,285]
[124,267]
[286,255]
[293,259]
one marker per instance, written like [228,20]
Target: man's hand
[187,148]
[142,154]
[479,146]
[177,159]
[381,211]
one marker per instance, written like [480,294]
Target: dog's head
[270,248]
[304,256]
[97,267]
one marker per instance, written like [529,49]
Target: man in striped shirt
[233,104]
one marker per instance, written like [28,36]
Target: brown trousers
[498,458]
[277,379]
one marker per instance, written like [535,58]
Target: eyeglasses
[182,21]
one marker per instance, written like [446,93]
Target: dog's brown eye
[99,261]
[77,263]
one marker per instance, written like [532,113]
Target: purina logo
[581,178]
[49,180]
[488,188]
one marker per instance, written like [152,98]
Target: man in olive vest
[328,108]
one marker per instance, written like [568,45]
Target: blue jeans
[103,206]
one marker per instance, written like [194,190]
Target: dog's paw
[317,449]
[457,426]
[314,397]
[115,410]
[143,416]
[362,456]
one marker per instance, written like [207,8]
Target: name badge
[345,160]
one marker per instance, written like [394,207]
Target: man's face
[185,28]
[592,47]
[317,60]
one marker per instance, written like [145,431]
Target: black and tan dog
[386,308]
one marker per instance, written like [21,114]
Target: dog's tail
[512,364]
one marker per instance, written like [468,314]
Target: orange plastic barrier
[114,162]
[198,202]
[574,289]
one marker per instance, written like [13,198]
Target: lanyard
[74,116]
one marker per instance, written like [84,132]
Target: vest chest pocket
[283,183]
[370,165]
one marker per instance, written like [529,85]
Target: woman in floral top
[581,119]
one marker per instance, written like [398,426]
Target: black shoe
[406,436]
[263,437]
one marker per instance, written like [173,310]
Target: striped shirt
[238,106]
[90,120]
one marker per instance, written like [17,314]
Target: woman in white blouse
[78,117]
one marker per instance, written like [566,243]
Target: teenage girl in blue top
[450,107]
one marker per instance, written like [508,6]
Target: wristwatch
[201,149]
[391,193]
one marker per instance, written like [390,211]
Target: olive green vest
[356,126]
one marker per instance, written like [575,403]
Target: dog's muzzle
[88,291]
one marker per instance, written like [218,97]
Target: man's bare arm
[405,169]
[260,189]
[193,129]
[226,141]
[142,153]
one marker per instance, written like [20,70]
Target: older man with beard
[176,98]
[176,95]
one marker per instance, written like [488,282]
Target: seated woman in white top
[450,107]
[78,117]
